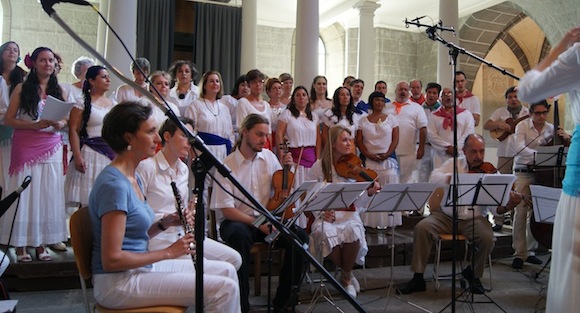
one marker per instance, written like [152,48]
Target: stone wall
[31,27]
[275,50]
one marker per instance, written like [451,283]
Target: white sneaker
[355,283]
[351,291]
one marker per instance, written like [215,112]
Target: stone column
[366,44]
[307,34]
[123,18]
[448,13]
[102,27]
[249,35]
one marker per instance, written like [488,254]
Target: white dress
[6,137]
[347,227]
[329,119]
[214,118]
[41,216]
[377,138]
[244,108]
[562,76]
[78,185]
[301,132]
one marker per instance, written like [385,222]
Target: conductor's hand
[184,245]
[374,188]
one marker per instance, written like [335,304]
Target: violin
[282,181]
[484,168]
[350,166]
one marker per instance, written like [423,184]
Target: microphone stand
[208,158]
[454,51]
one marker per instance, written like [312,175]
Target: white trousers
[170,282]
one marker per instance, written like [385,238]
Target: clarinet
[188,229]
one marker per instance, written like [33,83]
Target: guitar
[500,134]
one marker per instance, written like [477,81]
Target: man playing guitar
[501,125]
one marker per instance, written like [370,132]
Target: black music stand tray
[478,190]
[549,158]
[545,203]
[329,196]
[395,198]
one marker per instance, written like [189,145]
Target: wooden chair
[81,239]
[257,249]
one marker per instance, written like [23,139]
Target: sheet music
[548,155]
[55,109]
[401,197]
[334,196]
[495,189]
[305,187]
[545,201]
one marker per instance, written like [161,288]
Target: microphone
[418,18]
[48,4]
[7,202]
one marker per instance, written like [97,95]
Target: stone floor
[513,291]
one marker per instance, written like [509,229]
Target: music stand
[329,196]
[545,203]
[478,190]
[399,197]
[546,158]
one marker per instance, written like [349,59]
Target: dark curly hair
[30,95]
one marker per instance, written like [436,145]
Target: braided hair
[92,73]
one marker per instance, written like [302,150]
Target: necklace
[210,110]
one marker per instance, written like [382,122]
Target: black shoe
[518,263]
[412,286]
[534,260]
[497,227]
[477,287]
[474,282]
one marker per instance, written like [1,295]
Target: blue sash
[571,182]
[215,140]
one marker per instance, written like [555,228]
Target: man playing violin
[253,166]
[475,227]
[503,120]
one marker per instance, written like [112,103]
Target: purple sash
[308,156]
[99,145]
[32,146]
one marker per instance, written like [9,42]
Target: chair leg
[85,296]
[258,274]
[437,262]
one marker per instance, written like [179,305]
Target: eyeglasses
[538,113]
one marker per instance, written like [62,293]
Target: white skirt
[388,174]
[41,216]
[564,281]
[77,185]
[324,238]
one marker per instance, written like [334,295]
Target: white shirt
[301,131]
[244,108]
[329,119]
[471,104]
[442,175]
[189,96]
[255,175]
[156,177]
[411,119]
[440,137]
[502,114]
[377,137]
[212,117]
[527,139]
[560,77]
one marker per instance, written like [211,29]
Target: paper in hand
[55,109]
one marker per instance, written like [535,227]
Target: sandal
[23,258]
[42,255]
